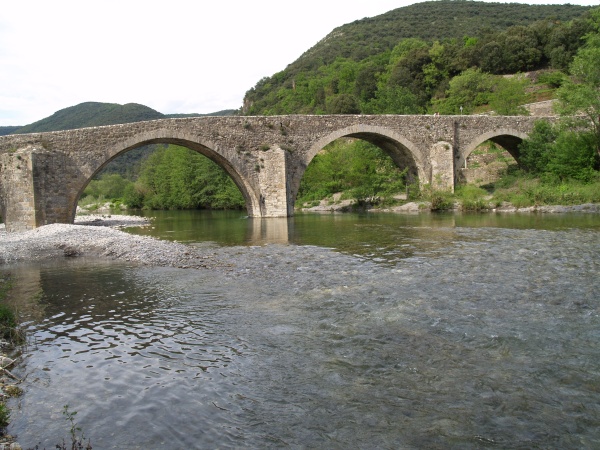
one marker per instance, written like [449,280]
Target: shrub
[4,416]
[8,322]
[441,201]
[553,79]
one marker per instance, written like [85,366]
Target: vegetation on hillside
[405,61]
[95,114]
[428,21]
[8,130]
[91,114]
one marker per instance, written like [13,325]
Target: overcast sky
[175,56]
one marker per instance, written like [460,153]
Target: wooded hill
[403,61]
[94,114]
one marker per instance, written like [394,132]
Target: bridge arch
[509,139]
[403,152]
[165,136]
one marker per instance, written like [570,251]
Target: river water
[323,331]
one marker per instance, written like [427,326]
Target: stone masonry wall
[17,201]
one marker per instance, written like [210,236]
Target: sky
[176,56]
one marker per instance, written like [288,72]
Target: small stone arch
[509,139]
[164,136]
[402,151]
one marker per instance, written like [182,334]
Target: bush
[535,191]
[553,153]
[8,321]
[133,197]
[573,156]
[440,200]
[554,79]
[4,415]
[472,198]
[109,186]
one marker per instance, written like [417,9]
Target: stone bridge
[42,175]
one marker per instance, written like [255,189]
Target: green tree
[470,89]
[393,100]
[580,95]
[534,152]
[343,104]
[573,157]
[555,153]
[355,167]
[108,186]
[178,178]
[509,96]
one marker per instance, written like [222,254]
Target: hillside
[8,130]
[361,67]
[93,114]
[434,20]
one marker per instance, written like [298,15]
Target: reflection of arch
[163,136]
[507,138]
[402,151]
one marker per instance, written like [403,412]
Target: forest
[505,59]
[416,74]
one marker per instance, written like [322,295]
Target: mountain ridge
[93,114]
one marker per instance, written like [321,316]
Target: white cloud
[177,56]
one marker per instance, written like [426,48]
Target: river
[328,331]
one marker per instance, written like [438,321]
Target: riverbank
[415,207]
[99,236]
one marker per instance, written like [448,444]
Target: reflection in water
[268,231]
[412,334]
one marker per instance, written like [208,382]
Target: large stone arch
[509,139]
[403,152]
[164,136]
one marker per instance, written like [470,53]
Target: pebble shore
[99,236]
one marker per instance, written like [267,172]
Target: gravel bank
[98,236]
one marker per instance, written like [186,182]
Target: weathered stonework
[42,175]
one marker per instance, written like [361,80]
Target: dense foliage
[571,148]
[359,169]
[171,177]
[405,61]
[579,96]
[558,154]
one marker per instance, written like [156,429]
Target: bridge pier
[17,190]
[273,181]
[442,166]
[29,195]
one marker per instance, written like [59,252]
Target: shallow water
[411,334]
